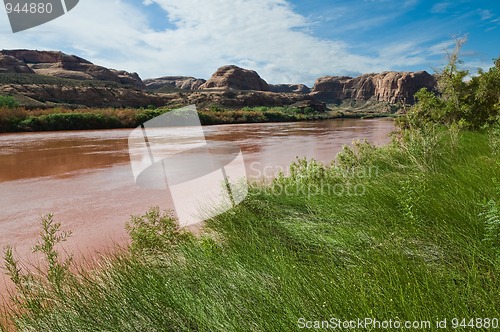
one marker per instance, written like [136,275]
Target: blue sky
[292,41]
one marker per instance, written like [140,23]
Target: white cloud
[442,48]
[441,7]
[485,14]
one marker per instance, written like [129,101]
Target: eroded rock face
[91,96]
[392,87]
[311,104]
[174,82]
[234,77]
[95,96]
[9,64]
[235,99]
[33,57]
[130,79]
[59,64]
[289,88]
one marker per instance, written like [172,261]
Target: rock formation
[392,87]
[234,77]
[43,95]
[231,98]
[310,104]
[289,88]
[174,82]
[59,64]
[9,64]
[130,79]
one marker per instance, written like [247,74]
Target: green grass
[404,232]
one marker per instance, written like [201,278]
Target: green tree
[454,90]
[467,103]
[486,87]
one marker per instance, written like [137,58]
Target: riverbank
[406,232]
[16,119]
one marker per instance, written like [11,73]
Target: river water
[85,179]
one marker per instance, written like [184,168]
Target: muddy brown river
[85,179]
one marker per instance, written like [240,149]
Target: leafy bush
[20,119]
[154,231]
[470,103]
[8,101]
[70,121]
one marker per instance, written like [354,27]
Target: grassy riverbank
[409,231]
[16,119]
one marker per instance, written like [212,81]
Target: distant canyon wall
[391,87]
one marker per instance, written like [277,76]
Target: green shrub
[154,231]
[71,121]
[8,102]
[473,103]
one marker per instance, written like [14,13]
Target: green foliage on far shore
[18,119]
[220,115]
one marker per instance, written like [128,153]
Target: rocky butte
[236,78]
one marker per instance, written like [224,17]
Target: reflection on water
[85,179]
